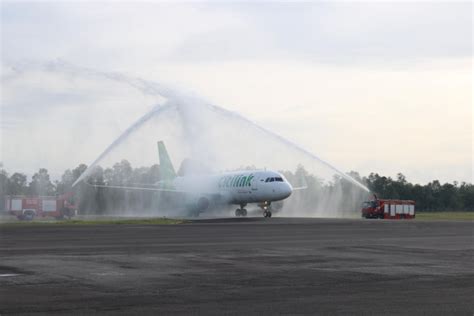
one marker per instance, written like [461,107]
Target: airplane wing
[149,188]
[300,188]
[138,188]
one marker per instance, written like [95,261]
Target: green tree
[41,183]
[3,186]
[466,195]
[65,184]
[78,171]
[17,184]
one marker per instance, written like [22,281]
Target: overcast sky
[369,86]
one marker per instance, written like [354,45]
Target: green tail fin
[167,172]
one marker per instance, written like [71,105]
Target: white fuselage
[239,187]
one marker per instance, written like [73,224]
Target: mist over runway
[239,266]
[203,138]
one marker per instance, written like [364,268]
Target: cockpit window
[368,204]
[277,179]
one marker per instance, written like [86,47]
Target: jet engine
[197,204]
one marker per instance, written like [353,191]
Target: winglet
[167,172]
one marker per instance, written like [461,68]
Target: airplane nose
[287,190]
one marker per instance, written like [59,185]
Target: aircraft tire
[238,212]
[243,212]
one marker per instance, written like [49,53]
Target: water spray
[195,117]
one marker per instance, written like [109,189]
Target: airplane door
[254,184]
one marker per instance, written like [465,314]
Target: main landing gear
[241,211]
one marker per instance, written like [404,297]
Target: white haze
[375,87]
[193,128]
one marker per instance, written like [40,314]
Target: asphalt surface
[240,266]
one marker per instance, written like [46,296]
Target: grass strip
[463,216]
[134,221]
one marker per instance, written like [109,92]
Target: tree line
[336,194]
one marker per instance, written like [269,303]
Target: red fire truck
[389,209]
[29,207]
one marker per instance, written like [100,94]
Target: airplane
[199,191]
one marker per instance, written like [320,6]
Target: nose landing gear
[267,213]
[267,209]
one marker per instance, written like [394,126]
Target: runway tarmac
[240,266]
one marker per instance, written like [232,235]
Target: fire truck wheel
[65,213]
[28,216]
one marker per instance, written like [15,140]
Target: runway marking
[107,274]
[8,275]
